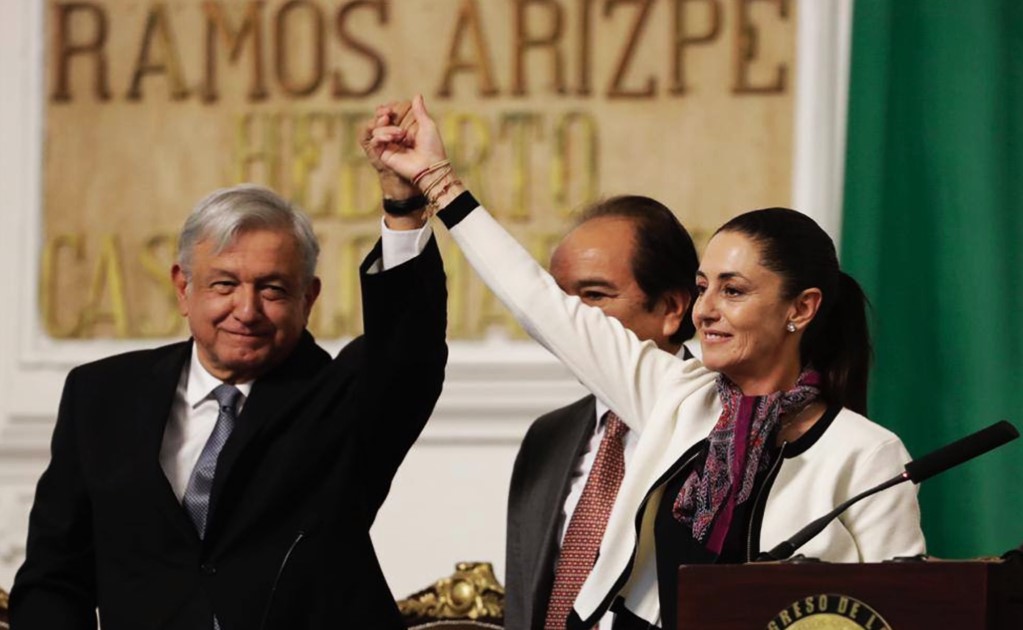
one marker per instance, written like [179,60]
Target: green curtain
[933,229]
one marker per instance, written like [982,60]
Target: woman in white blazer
[735,453]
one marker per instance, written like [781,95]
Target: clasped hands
[406,149]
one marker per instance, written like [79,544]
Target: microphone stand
[1014,556]
[784,550]
[933,463]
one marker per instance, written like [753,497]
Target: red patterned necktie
[586,528]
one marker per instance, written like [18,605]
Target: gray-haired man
[230,481]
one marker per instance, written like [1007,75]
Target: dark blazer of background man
[299,480]
[632,258]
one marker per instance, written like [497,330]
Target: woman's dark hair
[837,341]
[664,258]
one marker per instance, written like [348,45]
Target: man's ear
[180,281]
[804,307]
[312,291]
[675,303]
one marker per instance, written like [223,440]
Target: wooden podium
[885,596]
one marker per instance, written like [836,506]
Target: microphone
[918,470]
[960,451]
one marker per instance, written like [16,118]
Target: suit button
[207,569]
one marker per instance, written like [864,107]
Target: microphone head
[961,450]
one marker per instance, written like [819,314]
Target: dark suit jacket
[297,487]
[540,482]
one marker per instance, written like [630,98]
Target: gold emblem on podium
[828,611]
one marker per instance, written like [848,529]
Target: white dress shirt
[194,410]
[192,418]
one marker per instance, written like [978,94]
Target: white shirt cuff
[400,246]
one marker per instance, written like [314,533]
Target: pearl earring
[791,327]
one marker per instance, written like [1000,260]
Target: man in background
[630,257]
[230,481]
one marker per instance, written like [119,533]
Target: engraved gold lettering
[307,152]
[585,47]
[476,61]
[618,89]
[65,48]
[155,267]
[525,41]
[105,302]
[49,284]
[253,149]
[684,39]
[158,28]
[746,47]
[286,40]
[340,88]
[574,165]
[355,174]
[468,140]
[234,38]
[522,129]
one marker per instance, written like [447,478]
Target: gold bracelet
[434,199]
[446,173]
[436,166]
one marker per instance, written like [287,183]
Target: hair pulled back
[837,341]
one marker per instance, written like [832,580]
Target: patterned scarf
[736,455]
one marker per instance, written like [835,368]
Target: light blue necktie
[197,495]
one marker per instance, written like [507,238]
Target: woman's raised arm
[630,376]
